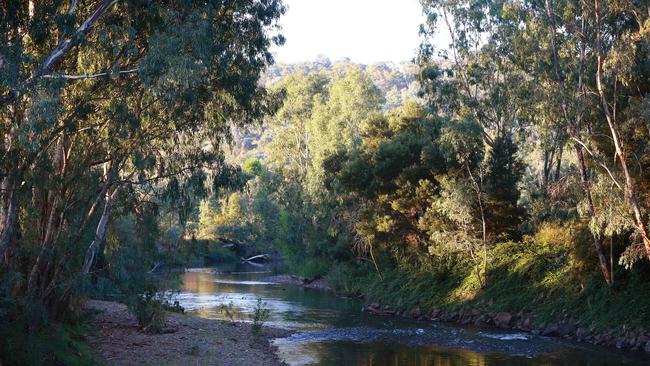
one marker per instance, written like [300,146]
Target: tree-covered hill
[397,82]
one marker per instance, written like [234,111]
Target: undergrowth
[54,343]
[540,279]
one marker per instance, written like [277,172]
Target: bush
[149,312]
[28,337]
[308,267]
[573,238]
[351,278]
[149,309]
[260,315]
[230,311]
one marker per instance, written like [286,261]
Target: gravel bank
[191,341]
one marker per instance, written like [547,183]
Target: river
[328,330]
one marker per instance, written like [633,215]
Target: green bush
[308,267]
[351,278]
[28,337]
[149,309]
[574,238]
[260,315]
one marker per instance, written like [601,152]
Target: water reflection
[381,354]
[331,331]
[395,354]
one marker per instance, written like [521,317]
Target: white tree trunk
[8,224]
[100,233]
[630,190]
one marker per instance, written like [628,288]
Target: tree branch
[66,44]
[163,176]
[90,76]
[73,7]
[611,175]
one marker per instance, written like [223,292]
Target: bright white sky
[366,31]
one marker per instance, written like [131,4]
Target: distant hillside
[397,83]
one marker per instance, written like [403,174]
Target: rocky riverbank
[568,328]
[187,340]
[636,340]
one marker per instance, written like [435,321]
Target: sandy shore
[191,341]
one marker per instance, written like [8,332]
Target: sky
[366,31]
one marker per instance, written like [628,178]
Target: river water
[328,330]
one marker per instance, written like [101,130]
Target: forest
[507,171]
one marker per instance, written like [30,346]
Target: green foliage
[260,315]
[539,278]
[351,277]
[571,237]
[30,337]
[253,167]
[310,267]
[61,344]
[503,174]
[397,82]
[113,115]
[216,253]
[149,309]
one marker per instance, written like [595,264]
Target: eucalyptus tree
[482,82]
[560,64]
[477,82]
[620,45]
[563,45]
[111,102]
[565,72]
[289,148]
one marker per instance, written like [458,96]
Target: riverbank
[187,340]
[569,328]
[318,283]
[590,316]
[523,294]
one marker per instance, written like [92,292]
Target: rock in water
[502,319]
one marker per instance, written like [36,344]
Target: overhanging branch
[91,76]
[66,44]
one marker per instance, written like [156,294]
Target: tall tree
[110,102]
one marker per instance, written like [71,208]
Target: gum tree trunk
[573,129]
[100,233]
[630,190]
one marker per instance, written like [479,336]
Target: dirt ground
[191,341]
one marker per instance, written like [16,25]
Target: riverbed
[328,330]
